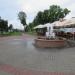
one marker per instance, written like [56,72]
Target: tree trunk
[24,28]
[1,32]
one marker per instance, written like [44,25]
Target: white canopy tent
[68,25]
[45,25]
[49,29]
[59,23]
[39,26]
[64,23]
[70,22]
[48,25]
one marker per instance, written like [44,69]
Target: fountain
[50,40]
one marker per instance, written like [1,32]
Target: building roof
[66,22]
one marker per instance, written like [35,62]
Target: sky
[9,9]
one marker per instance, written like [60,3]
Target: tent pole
[73,34]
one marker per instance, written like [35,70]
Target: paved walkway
[18,56]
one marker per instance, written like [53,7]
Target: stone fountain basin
[49,43]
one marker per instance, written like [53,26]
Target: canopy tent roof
[70,23]
[39,26]
[61,23]
[43,26]
[65,23]
[48,25]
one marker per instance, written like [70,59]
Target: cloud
[71,7]
[16,24]
[31,7]
[35,5]
[9,9]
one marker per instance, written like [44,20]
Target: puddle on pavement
[21,42]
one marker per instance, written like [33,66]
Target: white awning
[65,22]
[48,25]
[39,26]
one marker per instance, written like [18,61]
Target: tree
[3,25]
[46,16]
[10,27]
[66,11]
[50,15]
[22,18]
[39,18]
[31,25]
[56,12]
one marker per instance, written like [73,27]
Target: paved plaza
[18,56]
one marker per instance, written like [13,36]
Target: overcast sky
[10,8]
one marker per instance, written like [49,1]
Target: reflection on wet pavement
[22,53]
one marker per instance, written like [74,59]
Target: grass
[31,33]
[11,34]
[15,33]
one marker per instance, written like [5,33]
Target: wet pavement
[19,52]
[4,73]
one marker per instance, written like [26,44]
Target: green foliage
[14,33]
[11,34]
[29,28]
[45,16]
[22,18]
[66,11]
[54,13]
[38,19]
[10,27]
[3,25]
